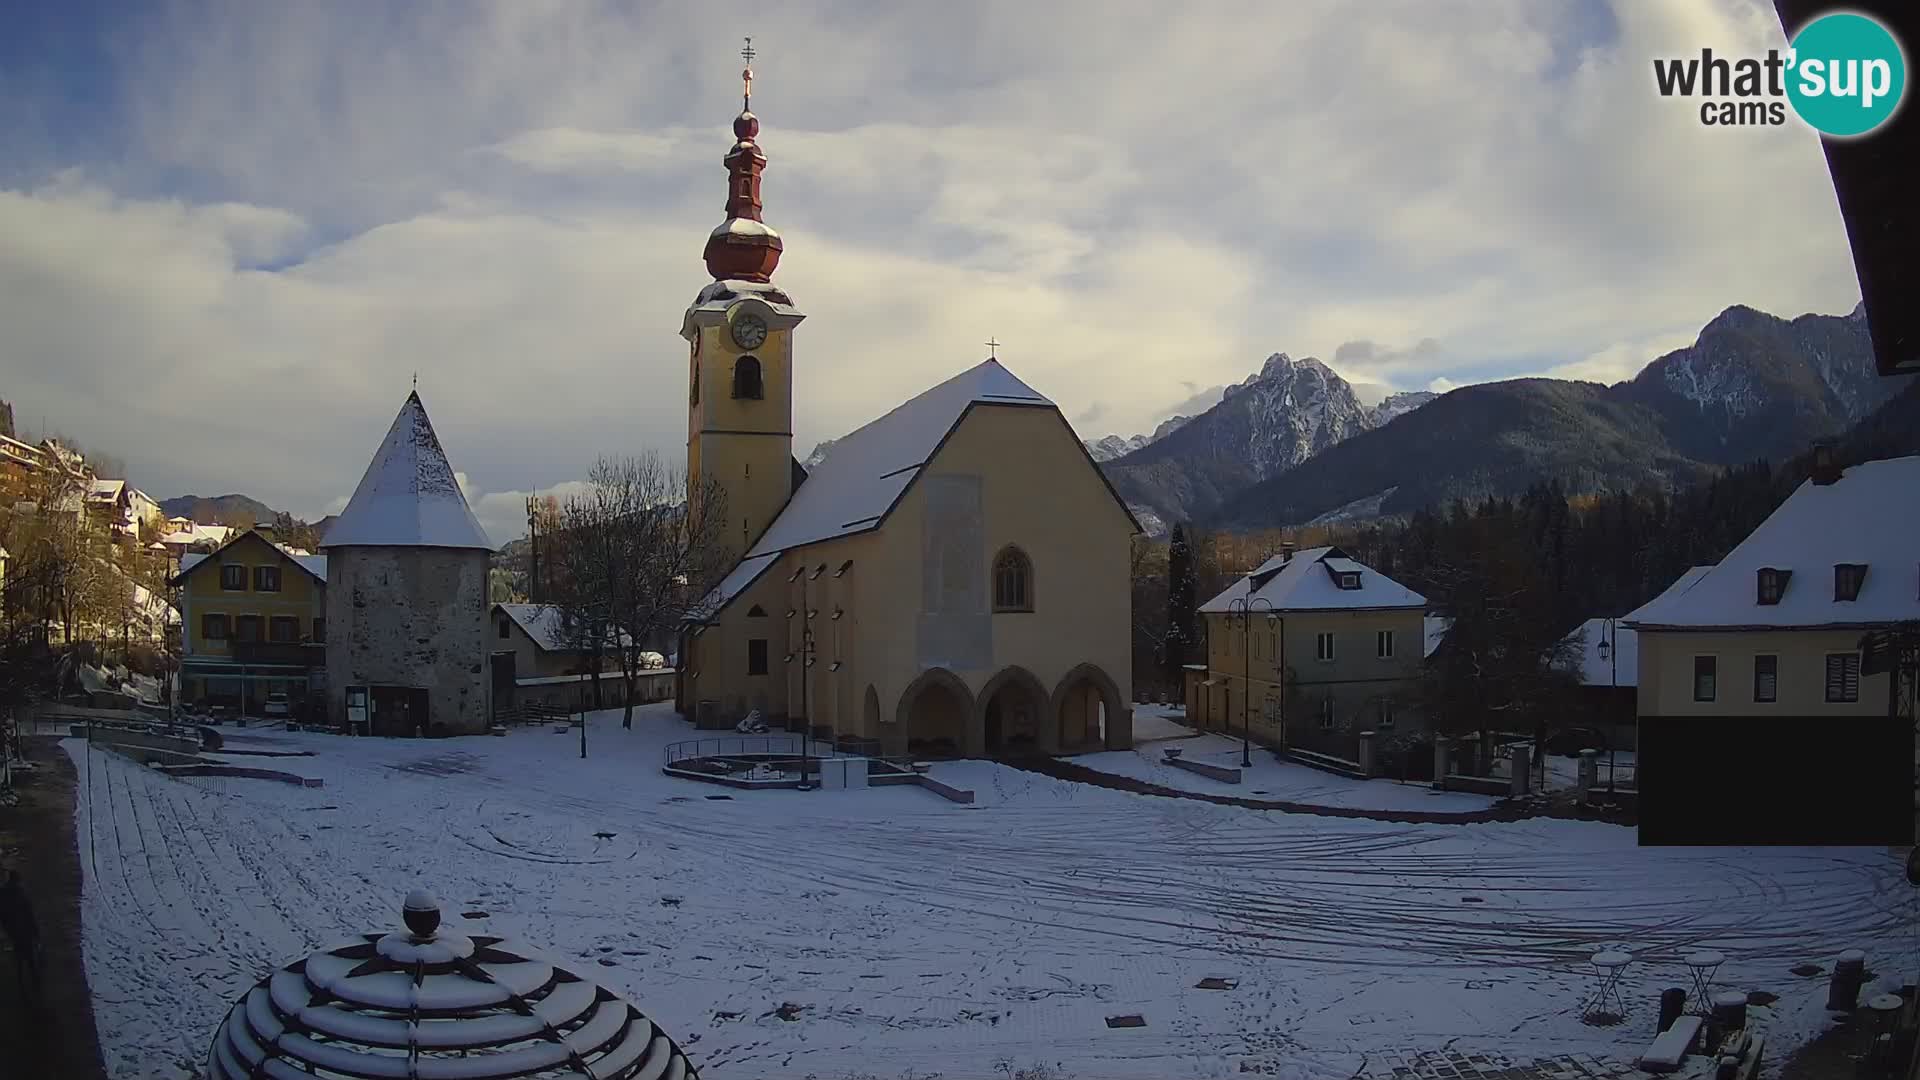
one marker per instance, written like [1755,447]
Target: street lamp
[1243,608]
[1611,654]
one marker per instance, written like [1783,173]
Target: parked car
[277,707]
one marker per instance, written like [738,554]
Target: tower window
[746,378]
[1012,581]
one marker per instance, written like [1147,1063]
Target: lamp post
[1242,608]
[1611,654]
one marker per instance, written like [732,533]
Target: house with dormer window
[1776,628]
[1311,649]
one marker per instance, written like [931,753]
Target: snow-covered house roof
[870,469]
[1436,631]
[107,491]
[427,1000]
[1616,665]
[408,497]
[197,533]
[1869,517]
[315,565]
[1308,581]
[547,626]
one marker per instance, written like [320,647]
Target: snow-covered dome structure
[429,1003]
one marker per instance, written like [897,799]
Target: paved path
[1063,769]
[57,1038]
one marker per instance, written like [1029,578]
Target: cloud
[302,209]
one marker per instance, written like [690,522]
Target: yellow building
[1775,628]
[253,623]
[952,579]
[1309,651]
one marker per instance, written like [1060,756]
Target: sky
[236,233]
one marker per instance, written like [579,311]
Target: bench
[1671,1047]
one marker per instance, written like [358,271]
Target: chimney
[1286,551]
[1824,471]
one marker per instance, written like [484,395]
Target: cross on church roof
[995,347]
[746,75]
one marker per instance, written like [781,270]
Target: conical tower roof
[409,497]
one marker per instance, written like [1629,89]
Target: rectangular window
[246,628]
[1847,579]
[1383,644]
[1772,585]
[233,577]
[284,629]
[1705,672]
[757,656]
[504,627]
[1386,713]
[266,579]
[1323,646]
[1326,713]
[1766,678]
[213,626]
[319,628]
[1273,645]
[1843,677]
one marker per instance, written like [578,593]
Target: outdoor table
[1703,965]
[1607,967]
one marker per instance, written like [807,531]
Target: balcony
[285,653]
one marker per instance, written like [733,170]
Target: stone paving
[1454,1065]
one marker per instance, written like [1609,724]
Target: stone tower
[407,593]
[739,332]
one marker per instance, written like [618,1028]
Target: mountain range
[1293,445]
[229,510]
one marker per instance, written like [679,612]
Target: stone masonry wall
[404,616]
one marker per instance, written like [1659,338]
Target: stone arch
[1069,710]
[1010,714]
[934,711]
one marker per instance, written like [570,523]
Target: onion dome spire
[743,248]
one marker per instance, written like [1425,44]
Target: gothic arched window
[1012,580]
[746,378]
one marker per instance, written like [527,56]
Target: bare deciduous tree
[633,556]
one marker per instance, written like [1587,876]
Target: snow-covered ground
[916,934]
[1272,779]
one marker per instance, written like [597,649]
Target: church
[952,581]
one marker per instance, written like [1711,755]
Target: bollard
[1673,1002]
[1589,773]
[1843,990]
[1440,751]
[1522,762]
[1366,753]
[1729,1010]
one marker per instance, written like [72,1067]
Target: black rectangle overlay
[1771,780]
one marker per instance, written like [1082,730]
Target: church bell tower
[739,333]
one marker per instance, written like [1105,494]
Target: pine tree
[1182,580]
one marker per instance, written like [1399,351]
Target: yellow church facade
[953,580]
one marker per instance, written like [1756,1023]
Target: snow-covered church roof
[1306,582]
[408,497]
[1870,516]
[853,490]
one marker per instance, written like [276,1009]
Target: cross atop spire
[994,346]
[746,76]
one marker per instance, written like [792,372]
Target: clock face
[749,331]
